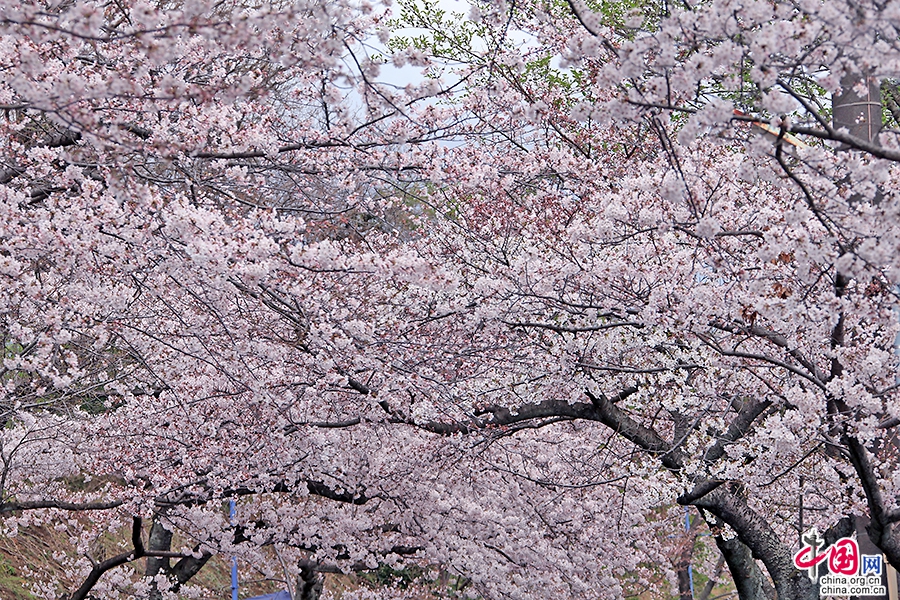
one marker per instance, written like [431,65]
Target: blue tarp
[282,595]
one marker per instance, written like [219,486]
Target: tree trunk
[762,541]
[749,580]
[309,583]
[160,539]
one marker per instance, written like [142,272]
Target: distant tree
[185,188]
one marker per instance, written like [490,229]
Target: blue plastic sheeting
[282,595]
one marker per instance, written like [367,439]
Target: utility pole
[234,560]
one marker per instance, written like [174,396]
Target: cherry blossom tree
[202,254]
[180,181]
[727,306]
[508,320]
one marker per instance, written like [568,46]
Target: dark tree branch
[314,487]
[649,440]
[319,488]
[851,141]
[775,338]
[567,329]
[889,423]
[749,580]
[764,359]
[323,425]
[119,560]
[72,506]
[738,428]
[61,140]
[713,579]
[188,566]
[9,174]
[701,489]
